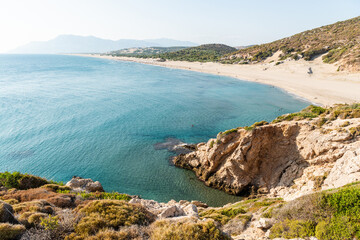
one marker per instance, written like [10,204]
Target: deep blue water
[62,116]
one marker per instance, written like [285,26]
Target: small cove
[62,116]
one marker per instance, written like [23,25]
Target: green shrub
[232,212]
[307,113]
[32,219]
[261,123]
[98,195]
[345,202]
[228,132]
[292,229]
[49,222]
[21,181]
[337,228]
[248,128]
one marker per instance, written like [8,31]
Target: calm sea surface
[62,116]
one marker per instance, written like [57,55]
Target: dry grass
[10,232]
[113,214]
[339,41]
[186,230]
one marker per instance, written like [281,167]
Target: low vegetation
[98,195]
[10,232]
[21,181]
[338,42]
[186,230]
[109,214]
[144,52]
[331,214]
[342,111]
[202,53]
[242,210]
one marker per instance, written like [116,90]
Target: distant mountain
[144,52]
[338,43]
[90,44]
[202,53]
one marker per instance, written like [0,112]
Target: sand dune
[325,86]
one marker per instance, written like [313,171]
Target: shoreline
[324,87]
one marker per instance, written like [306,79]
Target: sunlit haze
[231,22]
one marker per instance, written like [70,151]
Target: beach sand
[326,86]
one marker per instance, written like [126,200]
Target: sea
[63,116]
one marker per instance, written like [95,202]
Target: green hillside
[144,52]
[340,42]
[202,53]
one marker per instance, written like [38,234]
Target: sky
[232,22]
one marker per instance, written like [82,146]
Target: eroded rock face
[79,184]
[273,157]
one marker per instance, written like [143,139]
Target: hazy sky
[233,22]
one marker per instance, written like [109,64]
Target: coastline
[324,87]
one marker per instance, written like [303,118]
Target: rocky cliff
[295,155]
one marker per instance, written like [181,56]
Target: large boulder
[79,184]
[6,213]
[264,223]
[191,210]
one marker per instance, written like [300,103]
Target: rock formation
[79,184]
[274,157]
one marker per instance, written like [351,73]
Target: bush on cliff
[186,230]
[97,195]
[10,232]
[21,181]
[330,214]
[109,214]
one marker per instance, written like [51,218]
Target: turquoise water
[62,116]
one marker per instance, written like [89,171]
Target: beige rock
[286,159]
[84,184]
[172,211]
[264,223]
[235,226]
[346,170]
[199,204]
[191,210]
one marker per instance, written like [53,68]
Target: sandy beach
[324,87]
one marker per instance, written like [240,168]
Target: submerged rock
[174,145]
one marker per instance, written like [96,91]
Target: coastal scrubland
[330,214]
[144,52]
[320,202]
[337,43]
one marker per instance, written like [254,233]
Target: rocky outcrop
[79,184]
[6,213]
[172,209]
[273,158]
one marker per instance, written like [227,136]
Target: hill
[144,52]
[202,53]
[90,44]
[339,42]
